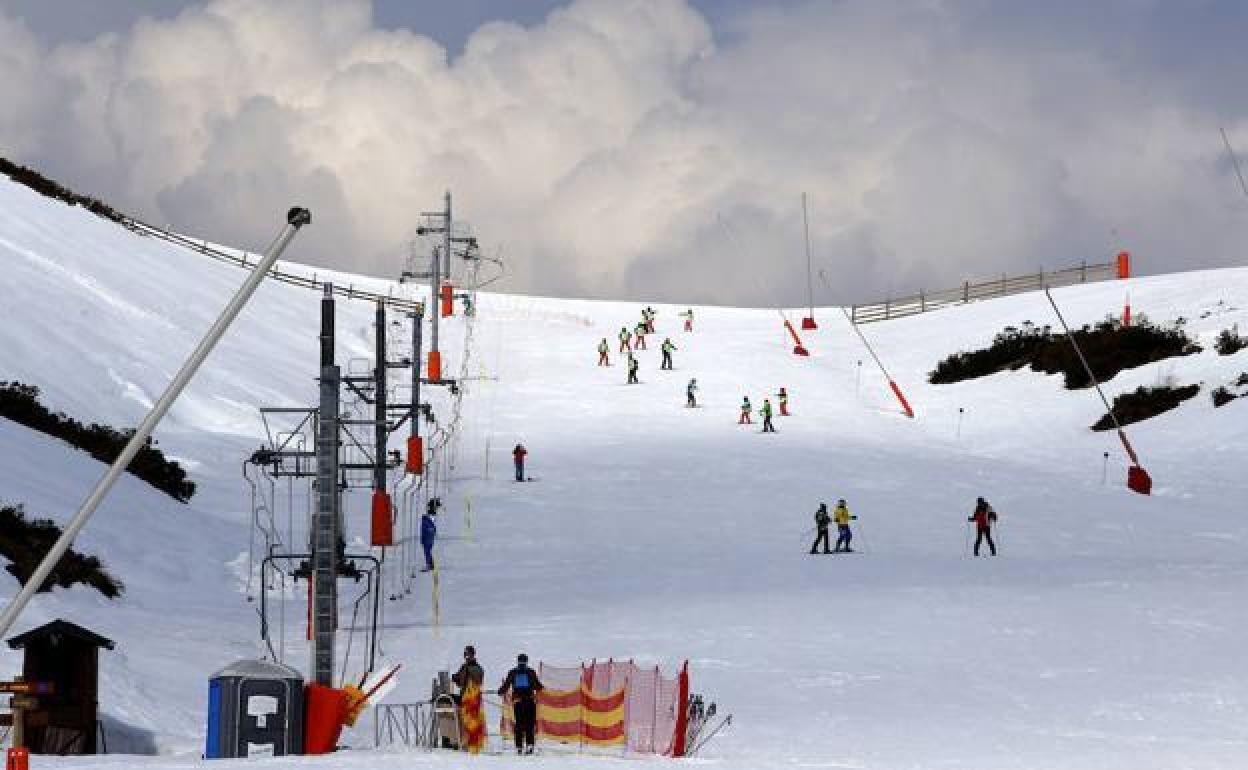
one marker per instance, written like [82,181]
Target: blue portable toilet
[255,709]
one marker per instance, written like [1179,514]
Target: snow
[1107,634]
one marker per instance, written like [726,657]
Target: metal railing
[245,260]
[405,724]
[922,302]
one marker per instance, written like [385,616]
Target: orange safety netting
[611,704]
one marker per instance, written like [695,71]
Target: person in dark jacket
[429,531]
[984,517]
[633,366]
[821,527]
[469,671]
[523,684]
[518,455]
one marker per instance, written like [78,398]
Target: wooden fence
[922,302]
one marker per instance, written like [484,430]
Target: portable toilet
[255,709]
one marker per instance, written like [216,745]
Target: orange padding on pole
[905,405]
[383,521]
[434,369]
[448,300]
[326,711]
[415,455]
[1124,264]
[18,759]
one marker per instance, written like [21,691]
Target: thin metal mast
[810,287]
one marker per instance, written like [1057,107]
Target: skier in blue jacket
[429,532]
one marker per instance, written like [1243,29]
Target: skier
[523,684]
[469,671]
[766,413]
[518,455]
[691,390]
[624,339]
[688,316]
[784,402]
[667,348]
[639,334]
[843,535]
[983,517]
[429,531]
[746,409]
[821,527]
[648,315]
[633,366]
[603,349]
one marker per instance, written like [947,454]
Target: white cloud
[601,146]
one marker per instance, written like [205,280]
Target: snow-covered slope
[1107,634]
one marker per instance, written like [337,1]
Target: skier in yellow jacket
[842,518]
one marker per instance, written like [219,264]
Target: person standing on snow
[691,391]
[518,455]
[523,684]
[784,402]
[821,528]
[429,531]
[667,348]
[746,410]
[984,517]
[648,315]
[625,337]
[639,335]
[688,316]
[633,366]
[603,349]
[469,671]
[766,413]
[842,518]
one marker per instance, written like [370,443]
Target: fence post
[922,302]
[1003,279]
[966,291]
[1042,286]
[887,308]
[1083,271]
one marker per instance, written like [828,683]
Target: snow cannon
[415,455]
[17,759]
[1139,481]
[326,715]
[448,300]
[808,323]
[798,348]
[383,520]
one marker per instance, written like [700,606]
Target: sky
[655,149]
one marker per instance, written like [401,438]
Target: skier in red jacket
[984,517]
[518,455]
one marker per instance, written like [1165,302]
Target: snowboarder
[667,348]
[688,316]
[429,531]
[518,455]
[783,397]
[625,337]
[746,409]
[603,349]
[691,391]
[842,518]
[766,414]
[984,517]
[469,671]
[639,334]
[821,527]
[523,684]
[633,366]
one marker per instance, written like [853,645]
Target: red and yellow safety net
[577,716]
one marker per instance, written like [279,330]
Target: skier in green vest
[668,347]
[766,413]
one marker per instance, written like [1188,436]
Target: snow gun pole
[905,405]
[1138,479]
[295,218]
[798,347]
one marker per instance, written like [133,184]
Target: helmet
[841,501]
[522,658]
[470,651]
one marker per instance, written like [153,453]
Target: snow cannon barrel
[434,367]
[383,519]
[415,455]
[448,300]
[1124,264]
[1139,481]
[808,323]
[327,710]
[798,348]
